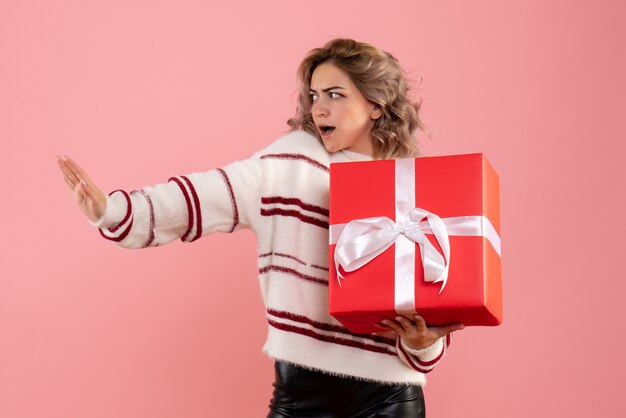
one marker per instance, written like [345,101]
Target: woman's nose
[319,109]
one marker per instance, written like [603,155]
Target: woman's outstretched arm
[186,207]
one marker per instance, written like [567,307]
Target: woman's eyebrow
[328,89]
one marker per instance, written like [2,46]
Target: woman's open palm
[90,199]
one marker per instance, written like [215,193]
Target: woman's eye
[334,95]
[313,97]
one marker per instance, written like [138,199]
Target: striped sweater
[281,193]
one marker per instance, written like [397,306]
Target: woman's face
[343,116]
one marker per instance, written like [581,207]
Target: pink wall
[137,91]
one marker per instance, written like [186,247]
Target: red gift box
[387,216]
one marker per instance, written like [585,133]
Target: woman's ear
[376,112]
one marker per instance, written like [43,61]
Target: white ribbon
[361,240]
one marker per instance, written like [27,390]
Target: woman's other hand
[89,198]
[417,335]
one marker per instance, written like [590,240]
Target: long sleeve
[186,207]
[423,360]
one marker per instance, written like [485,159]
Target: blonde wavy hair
[380,79]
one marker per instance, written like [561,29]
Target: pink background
[137,91]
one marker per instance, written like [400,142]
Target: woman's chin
[330,146]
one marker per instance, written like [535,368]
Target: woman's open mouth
[326,130]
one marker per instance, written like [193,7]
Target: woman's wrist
[434,346]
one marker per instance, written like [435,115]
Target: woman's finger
[67,171]
[79,194]
[83,185]
[420,324]
[80,172]
[394,326]
[447,329]
[407,325]
[69,183]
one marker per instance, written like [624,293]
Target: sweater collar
[353,156]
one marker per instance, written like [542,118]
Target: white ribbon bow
[362,240]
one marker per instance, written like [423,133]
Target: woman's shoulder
[296,142]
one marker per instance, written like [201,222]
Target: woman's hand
[89,198]
[416,334]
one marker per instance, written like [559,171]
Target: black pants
[300,392]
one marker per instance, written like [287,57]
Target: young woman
[353,106]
